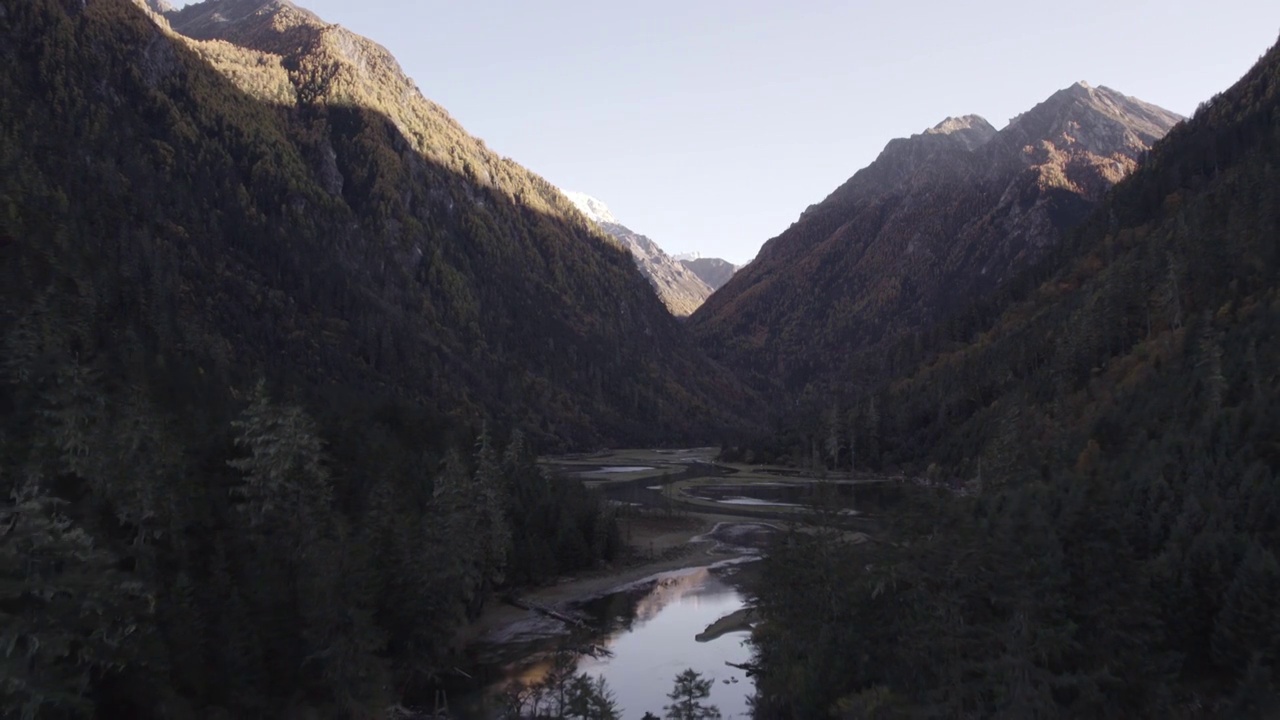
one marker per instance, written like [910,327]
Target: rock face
[679,288]
[936,220]
[715,272]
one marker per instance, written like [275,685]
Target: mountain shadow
[258,215]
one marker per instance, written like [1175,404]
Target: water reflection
[650,631]
[658,643]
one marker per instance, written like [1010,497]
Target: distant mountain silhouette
[712,271]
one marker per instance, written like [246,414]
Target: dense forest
[309,215]
[1098,517]
[273,378]
[280,343]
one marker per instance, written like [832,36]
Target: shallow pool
[755,501]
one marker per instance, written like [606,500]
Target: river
[649,630]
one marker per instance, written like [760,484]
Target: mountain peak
[594,209]
[971,130]
[239,20]
[1095,119]
[948,144]
[679,287]
[937,220]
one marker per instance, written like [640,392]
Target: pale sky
[709,125]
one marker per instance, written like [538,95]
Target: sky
[710,125]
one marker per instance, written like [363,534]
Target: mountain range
[281,343]
[303,210]
[935,221]
[679,288]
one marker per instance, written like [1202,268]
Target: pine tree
[489,497]
[68,615]
[687,696]
[590,699]
[286,481]
[454,518]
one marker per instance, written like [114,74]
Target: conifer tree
[286,482]
[591,699]
[68,615]
[686,698]
[489,497]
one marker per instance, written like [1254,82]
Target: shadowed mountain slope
[297,207]
[265,347]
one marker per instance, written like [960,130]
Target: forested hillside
[297,208]
[253,326]
[939,219]
[1101,534]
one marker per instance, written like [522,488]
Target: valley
[677,599]
[315,405]
[677,283]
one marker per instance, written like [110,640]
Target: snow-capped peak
[591,207]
